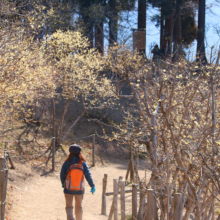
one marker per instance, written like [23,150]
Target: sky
[152,35]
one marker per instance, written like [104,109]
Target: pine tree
[201,32]
[142,7]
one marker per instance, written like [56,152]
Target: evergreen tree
[114,9]
[177,25]
[113,21]
[201,32]
[142,8]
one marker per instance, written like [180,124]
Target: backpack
[75,177]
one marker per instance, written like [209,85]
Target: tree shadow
[47,173]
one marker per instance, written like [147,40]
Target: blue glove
[62,186]
[93,189]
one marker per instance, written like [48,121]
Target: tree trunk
[84,5]
[91,36]
[177,31]
[60,129]
[162,43]
[99,38]
[201,32]
[54,124]
[113,22]
[169,33]
[142,7]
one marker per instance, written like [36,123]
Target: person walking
[72,175]
[156,53]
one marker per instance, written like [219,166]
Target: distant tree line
[177,20]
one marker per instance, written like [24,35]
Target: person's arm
[88,175]
[63,173]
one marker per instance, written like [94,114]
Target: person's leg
[69,206]
[78,207]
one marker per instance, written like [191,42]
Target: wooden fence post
[112,206]
[136,165]
[3,187]
[142,201]
[53,154]
[122,198]
[177,206]
[115,199]
[134,201]
[132,166]
[104,186]
[151,205]
[6,145]
[7,156]
[93,152]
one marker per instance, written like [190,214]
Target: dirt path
[42,198]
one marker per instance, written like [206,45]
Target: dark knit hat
[75,148]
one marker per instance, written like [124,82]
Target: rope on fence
[2,203]
[82,137]
[4,170]
[6,156]
[102,137]
[30,140]
[6,153]
[49,139]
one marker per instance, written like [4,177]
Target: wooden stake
[136,166]
[177,206]
[134,201]
[54,139]
[104,186]
[142,201]
[8,156]
[113,205]
[6,145]
[53,154]
[115,185]
[111,211]
[150,204]
[122,198]
[93,152]
[3,187]
[11,162]
[132,167]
